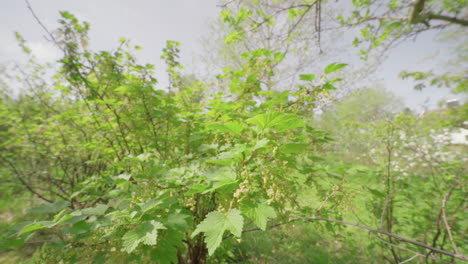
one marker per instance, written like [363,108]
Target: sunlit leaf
[277,120]
[36,226]
[334,67]
[307,77]
[215,224]
[233,127]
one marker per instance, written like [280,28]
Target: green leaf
[146,233]
[149,205]
[278,56]
[227,158]
[293,13]
[329,227]
[231,127]
[334,67]
[221,178]
[276,120]
[67,15]
[215,224]
[50,208]
[222,162]
[164,254]
[100,259]
[260,144]
[307,77]
[258,213]
[11,243]
[197,188]
[170,243]
[177,220]
[99,209]
[293,148]
[80,227]
[62,217]
[376,192]
[233,37]
[131,239]
[328,86]
[35,226]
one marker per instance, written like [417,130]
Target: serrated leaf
[131,239]
[146,233]
[276,120]
[215,224]
[177,220]
[307,77]
[334,67]
[259,213]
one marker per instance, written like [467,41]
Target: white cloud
[44,51]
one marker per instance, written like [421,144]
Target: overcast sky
[149,23]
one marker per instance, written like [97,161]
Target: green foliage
[127,171]
[414,166]
[334,67]
[381,28]
[457,82]
[216,223]
[259,213]
[127,166]
[50,208]
[276,120]
[146,233]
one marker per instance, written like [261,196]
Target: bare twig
[410,259]
[23,181]
[444,218]
[412,251]
[258,229]
[373,230]
[54,40]
[452,20]
[399,238]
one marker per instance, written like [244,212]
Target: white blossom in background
[414,151]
